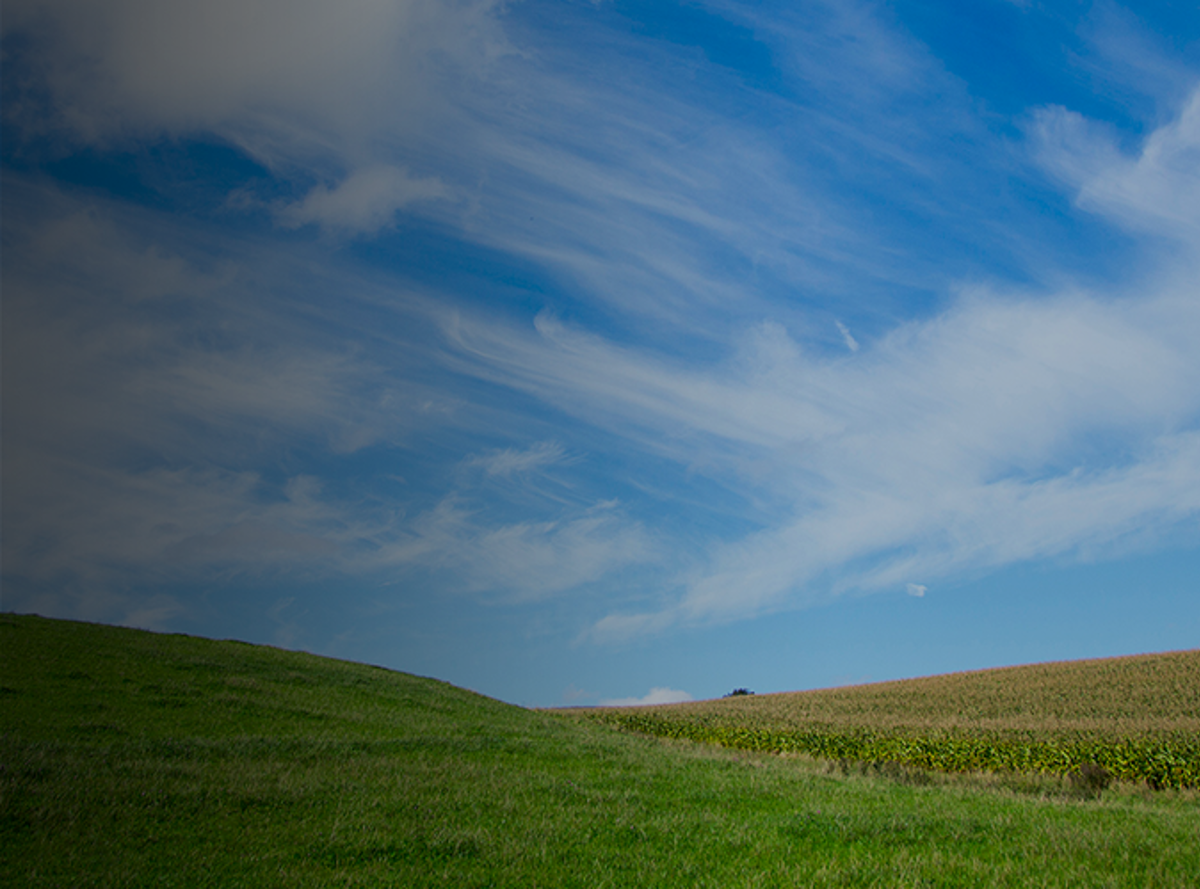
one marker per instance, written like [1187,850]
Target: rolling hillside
[135,759]
[1133,695]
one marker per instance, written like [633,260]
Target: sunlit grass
[133,759]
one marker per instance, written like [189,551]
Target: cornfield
[1136,717]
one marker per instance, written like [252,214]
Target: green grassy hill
[134,759]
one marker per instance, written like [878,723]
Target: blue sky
[579,352]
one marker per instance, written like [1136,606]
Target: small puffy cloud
[915,589]
[366,201]
[656,695]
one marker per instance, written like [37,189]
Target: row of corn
[1161,761]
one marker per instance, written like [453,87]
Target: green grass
[135,759]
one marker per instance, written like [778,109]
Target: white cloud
[1009,427]
[363,202]
[657,695]
[991,387]
[851,342]
[125,339]
[286,78]
[159,392]
[519,561]
[618,627]
[1159,189]
[510,461]
[589,377]
[427,106]
[917,590]
[364,89]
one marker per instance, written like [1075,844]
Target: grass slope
[1138,717]
[135,759]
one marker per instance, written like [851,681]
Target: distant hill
[1130,695]
[1135,718]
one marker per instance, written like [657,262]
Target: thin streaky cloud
[533,328]
[511,461]
[850,341]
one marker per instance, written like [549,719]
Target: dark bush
[1091,778]
[738,692]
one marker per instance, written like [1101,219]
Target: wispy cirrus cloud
[513,461]
[515,561]
[851,342]
[1157,189]
[531,302]
[1008,428]
[156,397]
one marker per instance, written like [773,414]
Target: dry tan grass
[1126,696]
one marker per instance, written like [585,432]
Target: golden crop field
[1137,717]
[1154,692]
